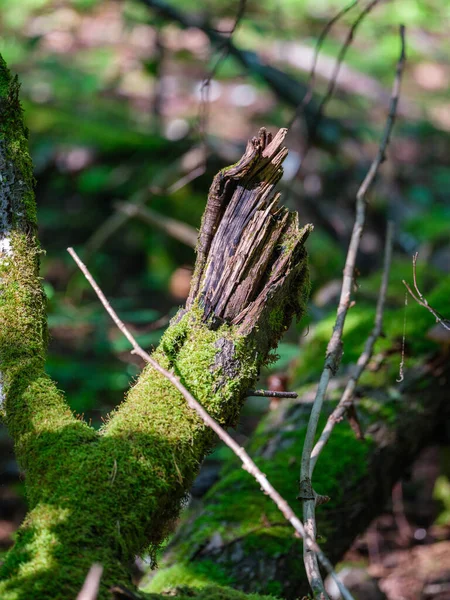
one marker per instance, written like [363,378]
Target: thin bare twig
[158,93]
[312,75]
[401,370]
[180,183]
[91,584]
[176,229]
[365,356]
[118,218]
[247,462]
[272,394]
[339,60]
[239,14]
[420,299]
[317,118]
[224,51]
[334,349]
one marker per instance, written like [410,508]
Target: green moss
[23,341]
[274,539]
[113,493]
[14,144]
[234,506]
[207,593]
[386,411]
[200,574]
[274,588]
[5,77]
[34,568]
[123,487]
[276,317]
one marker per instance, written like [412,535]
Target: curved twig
[420,299]
[312,74]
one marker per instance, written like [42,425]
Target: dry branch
[340,59]
[334,349]
[248,245]
[272,394]
[312,73]
[420,299]
[91,585]
[177,229]
[105,496]
[345,402]
[319,110]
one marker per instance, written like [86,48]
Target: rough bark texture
[103,496]
[236,535]
[249,247]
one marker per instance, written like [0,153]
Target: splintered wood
[250,248]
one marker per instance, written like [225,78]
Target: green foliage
[14,148]
[93,128]
[360,322]
[433,229]
[15,15]
[326,258]
[442,493]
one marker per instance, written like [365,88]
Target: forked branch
[420,298]
[345,402]
[335,346]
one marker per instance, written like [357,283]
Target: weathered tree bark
[235,535]
[104,496]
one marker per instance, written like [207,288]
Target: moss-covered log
[104,496]
[234,535]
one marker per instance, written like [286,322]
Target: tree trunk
[104,496]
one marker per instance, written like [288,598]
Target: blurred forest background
[133,107]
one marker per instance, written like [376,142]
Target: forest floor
[404,554]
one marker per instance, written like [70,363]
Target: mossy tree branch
[105,496]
